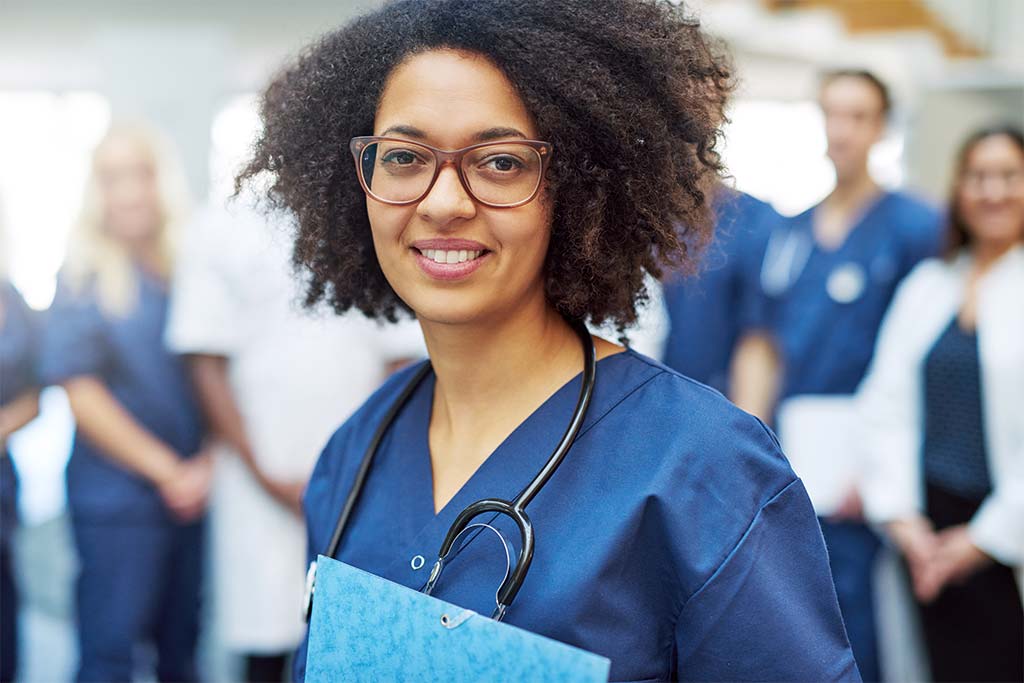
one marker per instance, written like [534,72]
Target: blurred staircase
[860,17]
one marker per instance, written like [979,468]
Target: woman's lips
[449,258]
[450,262]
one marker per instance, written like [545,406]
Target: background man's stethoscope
[785,257]
[515,509]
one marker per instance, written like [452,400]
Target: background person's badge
[846,283]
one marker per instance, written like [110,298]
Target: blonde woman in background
[945,426]
[137,480]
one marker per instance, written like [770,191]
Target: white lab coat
[890,398]
[296,376]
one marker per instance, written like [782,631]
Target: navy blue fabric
[826,345]
[9,603]
[127,353]
[18,343]
[19,339]
[137,582]
[674,539]
[708,312]
[955,457]
[852,549]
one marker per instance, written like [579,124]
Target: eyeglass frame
[973,182]
[453,157]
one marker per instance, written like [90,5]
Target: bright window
[231,137]
[47,139]
[776,152]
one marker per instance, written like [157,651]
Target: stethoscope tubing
[514,509]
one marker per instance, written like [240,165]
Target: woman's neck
[491,376]
[851,193]
[987,253]
[146,253]
[504,366]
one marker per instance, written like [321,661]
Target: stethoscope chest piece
[514,509]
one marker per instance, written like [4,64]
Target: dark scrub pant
[8,588]
[852,549]
[137,582]
[974,630]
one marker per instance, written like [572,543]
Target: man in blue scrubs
[708,313]
[828,276]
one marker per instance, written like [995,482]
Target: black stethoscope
[515,509]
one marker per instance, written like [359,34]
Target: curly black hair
[631,93]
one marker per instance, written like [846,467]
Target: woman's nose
[448,199]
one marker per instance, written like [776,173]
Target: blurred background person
[274,381]
[828,275]
[710,311]
[19,404]
[943,405]
[136,480]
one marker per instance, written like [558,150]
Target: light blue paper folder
[365,628]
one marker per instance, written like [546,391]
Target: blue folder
[365,628]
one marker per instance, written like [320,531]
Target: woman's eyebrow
[496,133]
[411,131]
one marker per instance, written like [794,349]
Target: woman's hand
[936,559]
[186,490]
[957,557]
[851,508]
[916,539]
[287,493]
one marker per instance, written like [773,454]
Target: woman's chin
[449,312]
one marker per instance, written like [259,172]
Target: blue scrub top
[674,538]
[826,342]
[127,353]
[18,344]
[708,313]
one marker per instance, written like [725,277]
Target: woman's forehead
[451,97]
[995,150]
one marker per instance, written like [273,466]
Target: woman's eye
[401,157]
[504,164]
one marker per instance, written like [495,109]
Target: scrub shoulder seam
[736,546]
[615,405]
[773,441]
[665,370]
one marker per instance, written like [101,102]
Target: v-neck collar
[529,439]
[855,232]
[510,467]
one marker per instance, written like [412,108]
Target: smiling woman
[517,169]
[635,136]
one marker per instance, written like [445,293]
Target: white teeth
[442,256]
